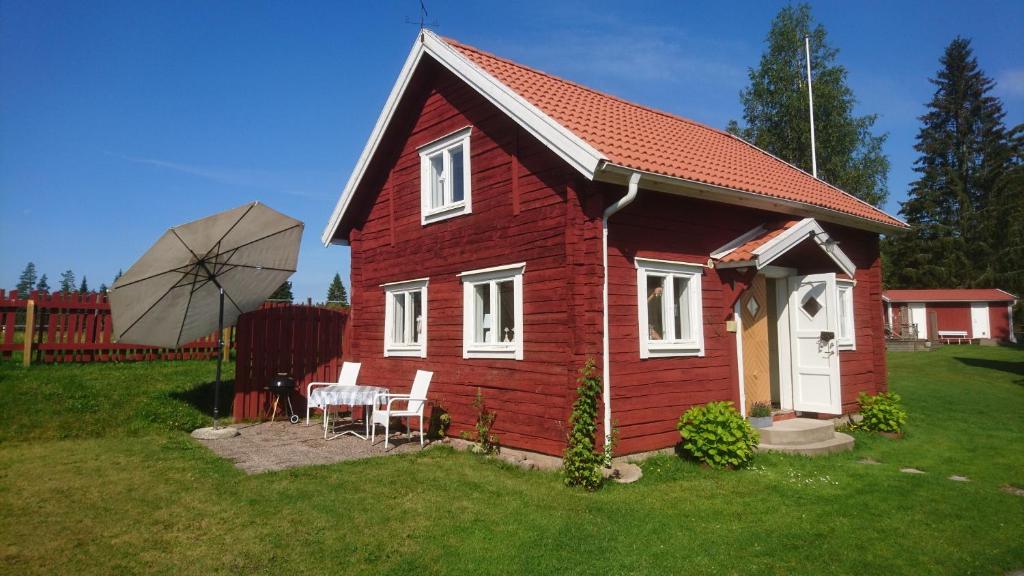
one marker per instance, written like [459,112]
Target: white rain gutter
[631,192]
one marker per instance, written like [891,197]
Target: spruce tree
[283,292]
[775,110]
[27,281]
[963,157]
[67,281]
[84,287]
[103,288]
[1005,218]
[337,296]
[43,285]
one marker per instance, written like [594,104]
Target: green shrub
[484,441]
[581,463]
[718,435]
[760,410]
[882,413]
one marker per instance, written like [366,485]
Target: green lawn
[98,476]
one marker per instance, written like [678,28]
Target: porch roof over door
[761,246]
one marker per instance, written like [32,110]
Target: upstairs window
[405,318]
[493,313]
[847,336]
[444,177]
[670,309]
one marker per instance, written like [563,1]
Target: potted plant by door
[760,415]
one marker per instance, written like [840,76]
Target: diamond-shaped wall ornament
[811,306]
[753,307]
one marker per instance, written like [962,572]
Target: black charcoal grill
[282,385]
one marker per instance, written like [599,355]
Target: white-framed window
[492,325]
[670,308]
[444,177]
[405,318]
[847,339]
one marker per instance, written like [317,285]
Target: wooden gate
[305,342]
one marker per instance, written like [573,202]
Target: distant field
[98,476]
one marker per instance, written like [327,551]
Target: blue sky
[120,119]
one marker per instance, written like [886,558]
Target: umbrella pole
[220,357]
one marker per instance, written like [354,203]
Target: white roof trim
[771,250]
[559,139]
[736,242]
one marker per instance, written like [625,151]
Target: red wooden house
[952,314]
[506,225]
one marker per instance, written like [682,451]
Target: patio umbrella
[201,276]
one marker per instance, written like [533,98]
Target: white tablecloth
[347,395]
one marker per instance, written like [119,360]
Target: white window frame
[444,146]
[670,347]
[402,349]
[846,341]
[492,276]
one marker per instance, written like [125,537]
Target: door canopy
[796,243]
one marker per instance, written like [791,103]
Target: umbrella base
[214,433]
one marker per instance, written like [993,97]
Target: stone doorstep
[838,443]
[797,432]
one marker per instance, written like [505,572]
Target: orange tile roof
[745,252]
[645,139]
[950,295]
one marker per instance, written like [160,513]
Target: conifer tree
[43,285]
[67,281]
[963,157]
[84,287]
[283,292]
[337,296]
[775,110]
[27,281]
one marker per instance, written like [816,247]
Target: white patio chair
[347,377]
[415,400]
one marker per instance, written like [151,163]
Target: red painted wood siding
[951,315]
[999,320]
[532,396]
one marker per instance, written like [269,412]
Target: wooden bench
[948,336]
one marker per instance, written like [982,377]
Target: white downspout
[634,181]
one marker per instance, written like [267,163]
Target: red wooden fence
[305,342]
[78,328]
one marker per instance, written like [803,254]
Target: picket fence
[53,328]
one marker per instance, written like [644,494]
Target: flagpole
[810,100]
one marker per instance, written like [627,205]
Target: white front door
[979,320]
[813,307]
[919,318]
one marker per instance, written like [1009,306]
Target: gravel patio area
[270,446]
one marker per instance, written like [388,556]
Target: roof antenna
[422,22]
[810,100]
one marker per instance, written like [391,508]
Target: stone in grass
[623,473]
[1015,490]
[957,478]
[911,471]
[868,461]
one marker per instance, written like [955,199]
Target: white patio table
[328,396]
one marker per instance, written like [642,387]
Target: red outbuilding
[506,225]
[951,315]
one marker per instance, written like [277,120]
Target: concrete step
[796,431]
[839,442]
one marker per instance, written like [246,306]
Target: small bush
[718,435]
[484,441]
[760,410]
[581,463]
[882,413]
